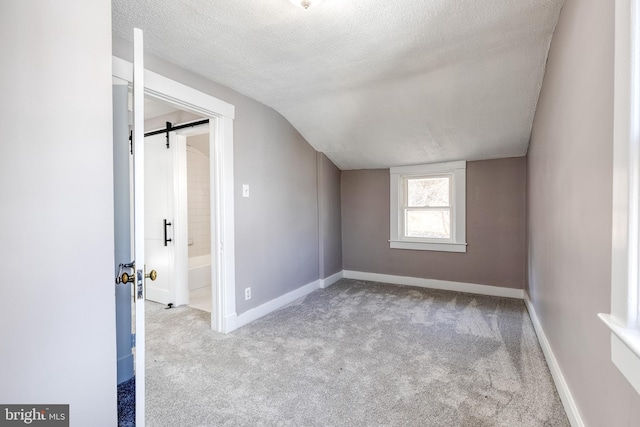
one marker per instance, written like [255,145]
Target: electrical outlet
[245,190]
[247,294]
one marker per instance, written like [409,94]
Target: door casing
[221,116]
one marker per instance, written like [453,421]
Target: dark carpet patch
[127,403]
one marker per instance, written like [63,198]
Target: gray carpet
[355,354]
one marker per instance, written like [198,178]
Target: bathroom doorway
[178,196]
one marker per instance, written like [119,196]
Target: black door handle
[166,224]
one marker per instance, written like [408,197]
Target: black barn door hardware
[166,224]
[170,128]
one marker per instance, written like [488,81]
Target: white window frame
[457,172]
[625,266]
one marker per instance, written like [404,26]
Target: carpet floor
[127,403]
[355,354]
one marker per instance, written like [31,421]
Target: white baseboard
[270,306]
[326,282]
[566,397]
[470,288]
[233,321]
[230,323]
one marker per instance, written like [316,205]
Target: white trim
[566,397]
[629,336]
[625,269]
[230,323]
[430,246]
[470,288]
[221,116]
[458,178]
[328,281]
[225,224]
[180,285]
[273,305]
[625,349]
[234,321]
[428,168]
[139,290]
[160,87]
[626,360]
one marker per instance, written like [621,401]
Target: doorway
[189,100]
[178,206]
[221,115]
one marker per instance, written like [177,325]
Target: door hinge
[133,340]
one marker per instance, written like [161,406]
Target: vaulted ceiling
[370,83]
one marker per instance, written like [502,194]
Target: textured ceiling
[371,84]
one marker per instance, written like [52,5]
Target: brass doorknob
[152,275]
[125,278]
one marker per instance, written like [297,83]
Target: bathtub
[199,272]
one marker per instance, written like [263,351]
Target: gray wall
[495,228]
[330,217]
[277,228]
[56,186]
[570,211]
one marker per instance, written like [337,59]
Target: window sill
[424,246]
[625,349]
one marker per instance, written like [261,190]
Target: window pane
[434,224]
[428,192]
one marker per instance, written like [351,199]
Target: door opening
[221,115]
[179,205]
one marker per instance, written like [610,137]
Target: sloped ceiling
[372,84]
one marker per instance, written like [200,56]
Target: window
[428,207]
[625,262]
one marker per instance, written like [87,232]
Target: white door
[138,221]
[159,218]
[166,218]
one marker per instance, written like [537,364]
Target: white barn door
[159,218]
